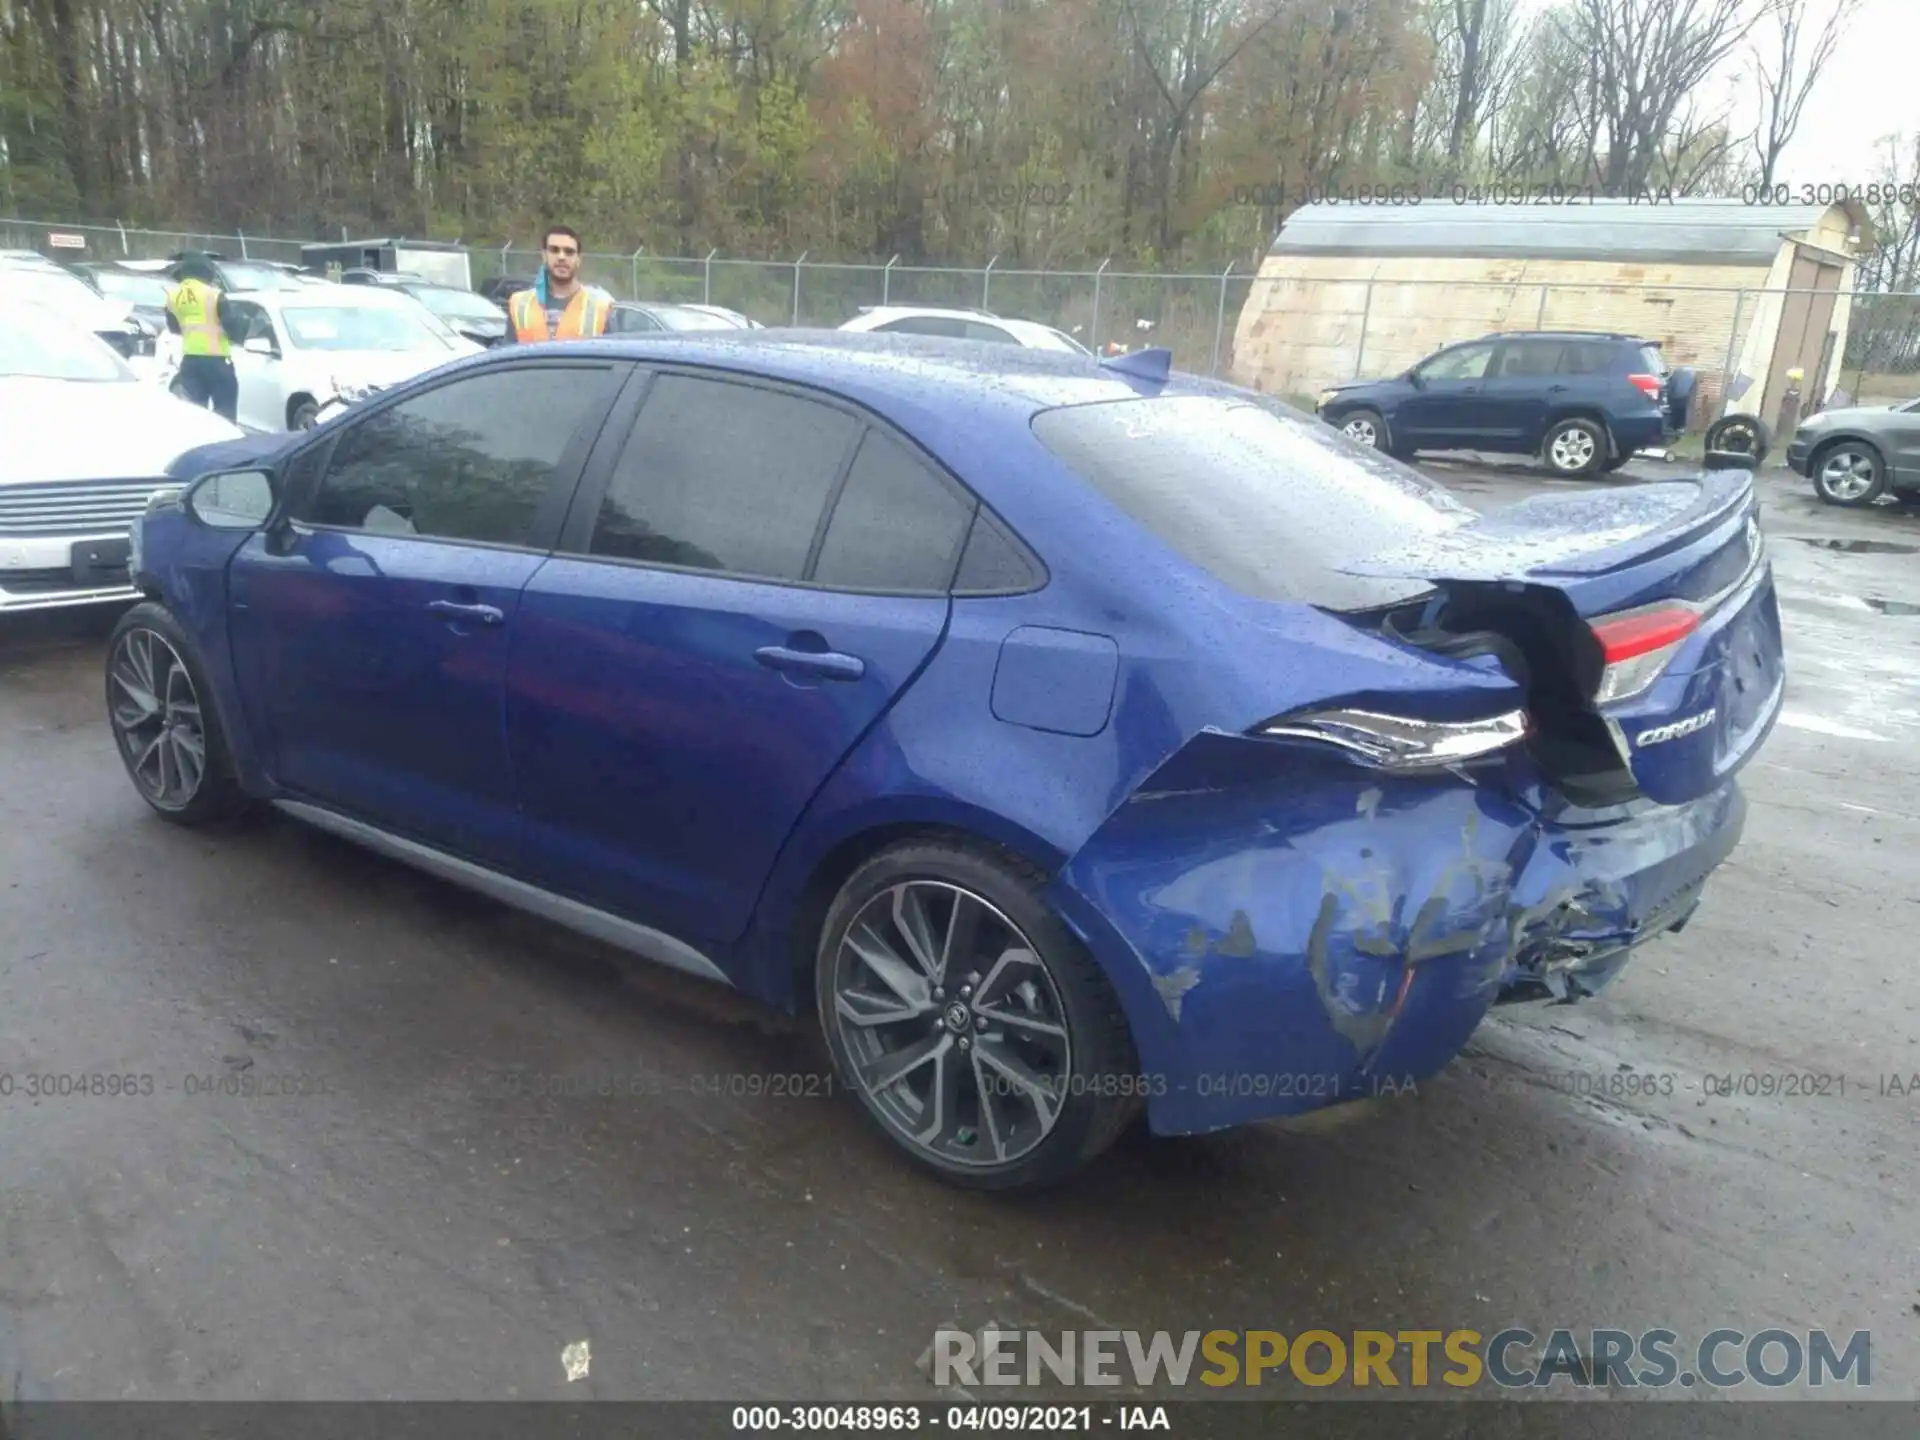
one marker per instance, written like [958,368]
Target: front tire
[1366,427]
[165,724]
[1575,447]
[976,1031]
[1850,474]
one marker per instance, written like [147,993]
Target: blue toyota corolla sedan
[1076,738]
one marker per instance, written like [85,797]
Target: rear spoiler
[1570,536]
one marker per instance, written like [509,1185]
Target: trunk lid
[1645,617]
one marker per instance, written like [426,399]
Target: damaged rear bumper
[1333,937]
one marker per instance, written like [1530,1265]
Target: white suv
[963,325]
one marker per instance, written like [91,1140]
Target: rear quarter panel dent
[1253,924]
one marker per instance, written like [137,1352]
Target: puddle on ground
[1890,607]
[1858,547]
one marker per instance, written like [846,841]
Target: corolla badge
[1660,734]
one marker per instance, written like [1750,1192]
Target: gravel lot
[409,1227]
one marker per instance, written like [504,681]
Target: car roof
[1561,335]
[892,312]
[904,378]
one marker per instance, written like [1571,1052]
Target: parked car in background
[962,325]
[1072,738]
[1857,454]
[631,317]
[298,349]
[498,288]
[87,444]
[361,275]
[471,316]
[1583,402]
[145,294]
[247,276]
[60,290]
[732,317]
[465,312]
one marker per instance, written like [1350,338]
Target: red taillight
[1649,385]
[1627,636]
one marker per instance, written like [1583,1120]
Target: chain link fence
[1304,332]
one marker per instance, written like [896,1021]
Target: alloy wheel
[1361,430]
[1573,449]
[1739,439]
[156,719]
[952,1024]
[1847,474]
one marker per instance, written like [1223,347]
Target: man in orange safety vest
[558,307]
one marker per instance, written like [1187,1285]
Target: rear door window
[977,331]
[993,562]
[724,477]
[1269,505]
[896,526]
[927,325]
[1523,358]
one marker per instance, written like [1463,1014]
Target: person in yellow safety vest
[558,307]
[196,309]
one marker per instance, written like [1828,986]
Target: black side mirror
[232,499]
[1414,379]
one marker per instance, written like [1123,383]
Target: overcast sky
[1870,88]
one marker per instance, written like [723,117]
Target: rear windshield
[1655,362]
[1269,504]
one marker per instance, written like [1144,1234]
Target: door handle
[826,664]
[485,614]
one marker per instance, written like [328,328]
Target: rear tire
[166,725]
[946,987]
[1850,474]
[1575,447]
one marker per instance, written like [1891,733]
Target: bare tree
[1477,58]
[1785,71]
[1548,130]
[1647,57]
[1892,257]
[1183,46]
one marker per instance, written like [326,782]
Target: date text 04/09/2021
[1282,196]
[965,1419]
